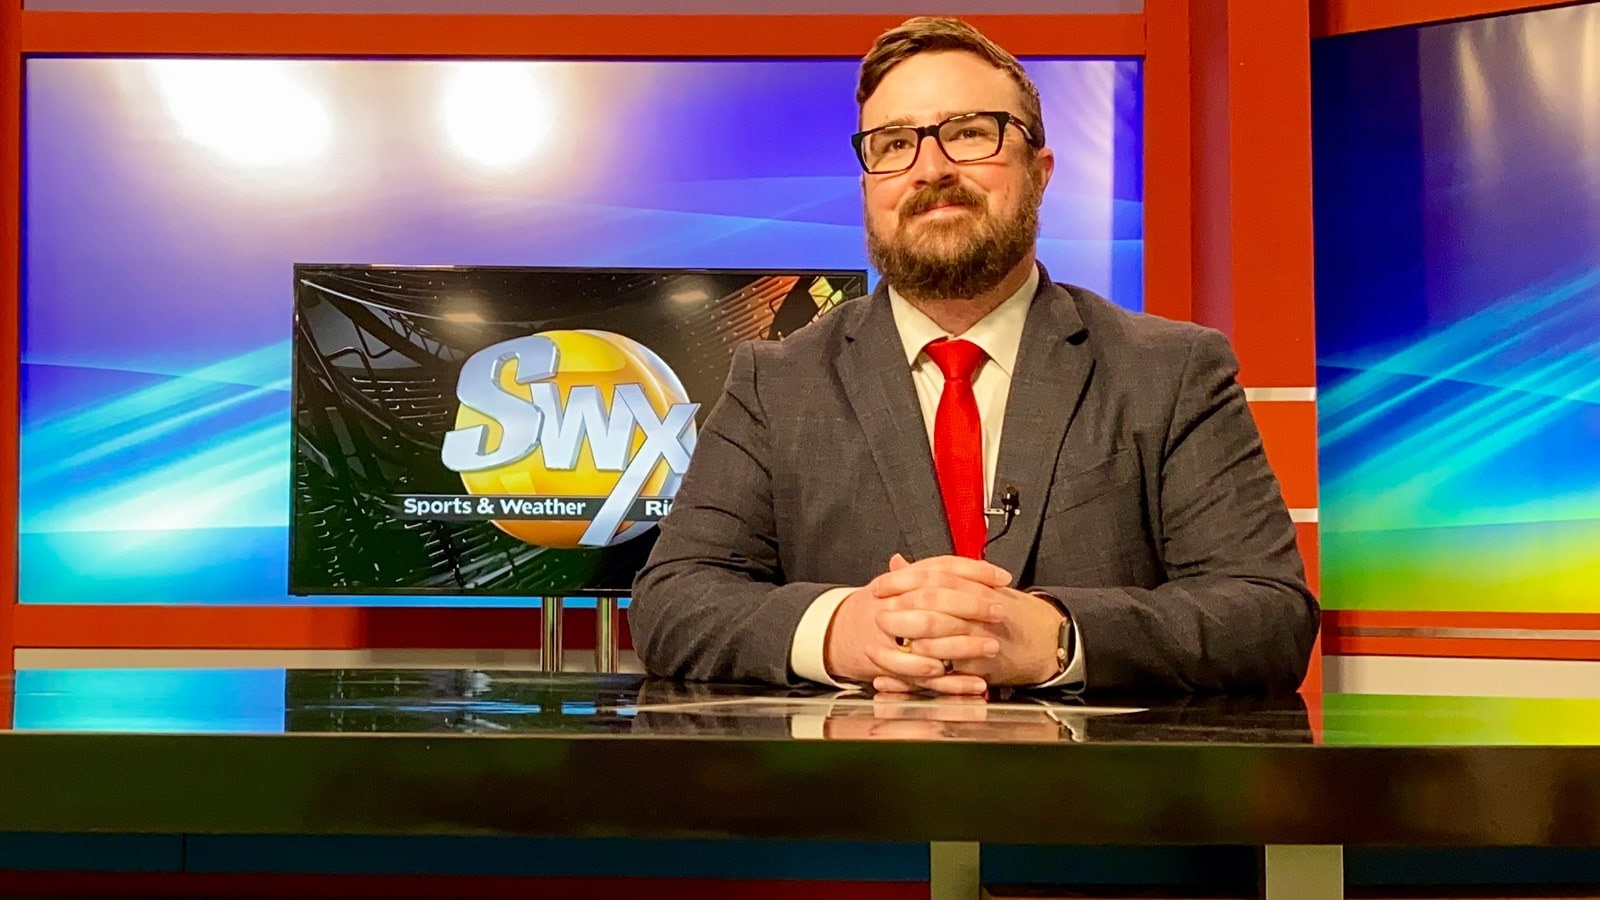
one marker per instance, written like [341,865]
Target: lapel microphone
[1010,502]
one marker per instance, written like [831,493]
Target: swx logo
[624,431]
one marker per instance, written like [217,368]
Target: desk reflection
[902,717]
[460,701]
[477,702]
[668,707]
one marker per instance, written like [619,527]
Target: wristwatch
[1065,639]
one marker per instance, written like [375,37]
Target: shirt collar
[999,333]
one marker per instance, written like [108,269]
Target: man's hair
[930,34]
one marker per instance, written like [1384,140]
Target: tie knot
[956,359]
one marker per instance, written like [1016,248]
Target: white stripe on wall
[1469,634]
[1448,676]
[1281,394]
[1303,514]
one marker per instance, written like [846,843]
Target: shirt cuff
[1073,676]
[811,637]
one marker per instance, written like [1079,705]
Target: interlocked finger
[976,603]
[961,647]
[942,572]
[905,664]
[921,623]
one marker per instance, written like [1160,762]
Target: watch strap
[1065,638]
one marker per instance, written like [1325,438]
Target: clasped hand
[947,608]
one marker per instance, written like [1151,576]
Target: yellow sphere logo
[570,438]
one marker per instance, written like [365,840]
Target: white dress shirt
[1000,335]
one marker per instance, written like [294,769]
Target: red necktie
[958,444]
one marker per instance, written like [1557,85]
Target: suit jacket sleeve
[1235,613]
[711,603]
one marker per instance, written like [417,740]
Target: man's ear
[1044,166]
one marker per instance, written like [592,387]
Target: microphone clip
[1010,503]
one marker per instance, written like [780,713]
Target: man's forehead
[932,86]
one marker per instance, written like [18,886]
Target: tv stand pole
[605,634]
[550,655]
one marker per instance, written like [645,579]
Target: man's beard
[955,259]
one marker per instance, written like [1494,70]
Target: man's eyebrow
[912,120]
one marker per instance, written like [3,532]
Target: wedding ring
[949,666]
[904,643]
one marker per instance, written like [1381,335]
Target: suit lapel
[877,381]
[1047,387]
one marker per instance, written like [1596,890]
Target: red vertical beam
[1210,163]
[10,292]
[1252,157]
[1168,188]
[1253,255]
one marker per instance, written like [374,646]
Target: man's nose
[932,166]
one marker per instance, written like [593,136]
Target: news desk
[441,752]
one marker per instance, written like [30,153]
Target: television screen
[509,430]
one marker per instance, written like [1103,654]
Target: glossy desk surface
[477,752]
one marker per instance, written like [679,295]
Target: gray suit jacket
[1147,505]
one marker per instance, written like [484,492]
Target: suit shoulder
[1118,330]
[818,341]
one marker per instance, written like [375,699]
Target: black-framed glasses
[966,138]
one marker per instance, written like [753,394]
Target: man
[975,477]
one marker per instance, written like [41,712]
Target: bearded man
[975,477]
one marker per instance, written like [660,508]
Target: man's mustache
[934,197]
